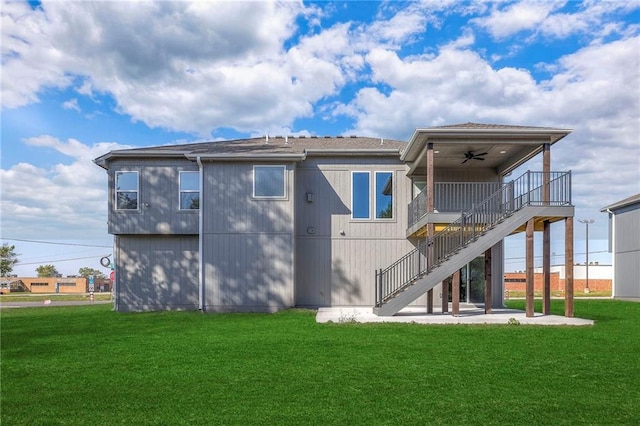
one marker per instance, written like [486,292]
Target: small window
[384,195]
[360,196]
[189,190]
[126,190]
[269,181]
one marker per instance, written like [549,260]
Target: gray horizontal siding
[156,272]
[158,199]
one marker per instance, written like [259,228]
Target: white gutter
[353,152]
[248,157]
[200,242]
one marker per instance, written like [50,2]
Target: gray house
[269,223]
[624,243]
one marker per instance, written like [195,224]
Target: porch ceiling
[506,147]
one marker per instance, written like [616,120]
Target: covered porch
[462,197]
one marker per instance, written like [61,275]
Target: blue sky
[82,78]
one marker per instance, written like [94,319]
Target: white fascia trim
[353,152]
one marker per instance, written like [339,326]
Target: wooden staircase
[476,231]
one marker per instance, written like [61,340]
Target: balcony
[453,198]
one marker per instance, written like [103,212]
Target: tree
[86,271]
[8,259]
[47,271]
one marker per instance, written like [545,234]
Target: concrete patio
[469,314]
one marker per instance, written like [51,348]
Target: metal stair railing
[527,190]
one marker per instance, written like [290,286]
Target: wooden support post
[455,296]
[487,282]
[546,267]
[546,173]
[568,267]
[430,226]
[445,295]
[529,268]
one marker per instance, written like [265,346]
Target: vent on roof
[340,137]
[314,137]
[278,136]
[353,136]
[327,137]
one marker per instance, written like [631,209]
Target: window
[384,195]
[360,201]
[126,190]
[365,194]
[189,190]
[269,181]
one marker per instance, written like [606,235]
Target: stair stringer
[462,257]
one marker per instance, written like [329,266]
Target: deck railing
[527,190]
[451,197]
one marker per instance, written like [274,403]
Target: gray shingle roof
[265,147]
[479,126]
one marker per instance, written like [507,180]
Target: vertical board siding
[158,199]
[156,272]
[336,256]
[251,272]
[627,253]
[247,245]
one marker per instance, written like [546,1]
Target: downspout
[200,242]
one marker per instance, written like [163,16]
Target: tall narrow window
[360,195]
[384,195]
[126,190]
[189,190]
[269,181]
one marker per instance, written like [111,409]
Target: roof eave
[104,159]
[246,157]
[416,143]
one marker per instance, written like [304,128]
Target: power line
[59,244]
[61,260]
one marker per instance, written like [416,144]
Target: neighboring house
[53,284]
[624,243]
[268,223]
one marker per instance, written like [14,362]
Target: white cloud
[61,202]
[71,104]
[177,65]
[517,17]
[597,97]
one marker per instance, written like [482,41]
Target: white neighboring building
[624,244]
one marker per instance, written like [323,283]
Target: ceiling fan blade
[478,158]
[484,153]
[465,161]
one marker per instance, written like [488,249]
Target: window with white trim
[126,190]
[384,195]
[269,182]
[189,190]
[360,198]
[368,193]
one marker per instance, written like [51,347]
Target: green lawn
[35,297]
[89,365]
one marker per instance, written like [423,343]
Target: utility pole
[587,222]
